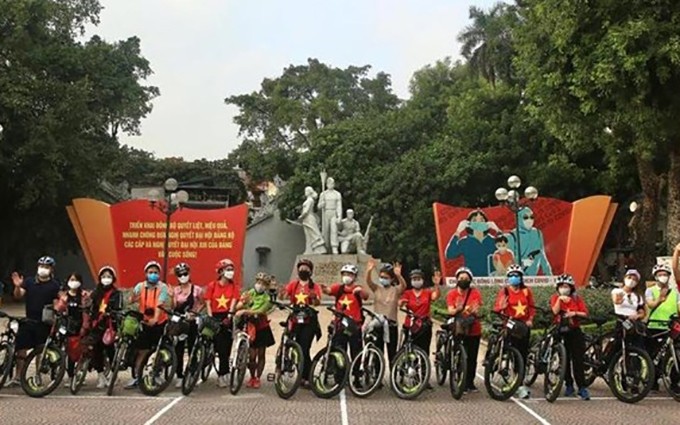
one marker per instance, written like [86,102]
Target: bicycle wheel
[238,372]
[671,374]
[115,366]
[192,372]
[158,369]
[591,357]
[209,362]
[410,373]
[633,383]
[530,369]
[289,366]
[329,374]
[79,374]
[43,371]
[367,371]
[440,363]
[6,362]
[509,368]
[554,372]
[459,372]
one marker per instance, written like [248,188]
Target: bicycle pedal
[270,377]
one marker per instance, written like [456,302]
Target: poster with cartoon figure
[531,245]
[475,241]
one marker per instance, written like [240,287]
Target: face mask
[565,291]
[385,282]
[417,284]
[152,278]
[183,279]
[229,274]
[514,280]
[43,271]
[479,226]
[259,288]
[346,280]
[304,274]
[106,281]
[630,283]
[464,284]
[73,284]
[662,279]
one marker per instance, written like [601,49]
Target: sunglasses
[183,274]
[527,217]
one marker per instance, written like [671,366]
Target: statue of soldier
[330,206]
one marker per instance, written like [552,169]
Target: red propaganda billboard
[552,237]
[129,234]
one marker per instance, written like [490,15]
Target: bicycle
[368,368]
[82,366]
[240,353]
[50,357]
[548,356]
[667,358]
[8,346]
[504,359]
[411,370]
[290,360]
[202,353]
[450,358]
[627,370]
[332,362]
[128,332]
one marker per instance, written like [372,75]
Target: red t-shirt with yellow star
[456,299]
[418,303]
[348,302]
[220,296]
[298,292]
[521,304]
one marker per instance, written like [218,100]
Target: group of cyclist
[223,300]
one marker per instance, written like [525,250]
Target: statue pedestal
[327,270]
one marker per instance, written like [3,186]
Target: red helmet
[224,263]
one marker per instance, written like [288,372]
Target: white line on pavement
[95,397]
[163,411]
[526,408]
[343,408]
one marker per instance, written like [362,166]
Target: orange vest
[149,299]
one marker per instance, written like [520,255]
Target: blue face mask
[514,280]
[479,226]
[385,282]
[152,277]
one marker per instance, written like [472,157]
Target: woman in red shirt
[221,296]
[419,300]
[517,301]
[566,302]
[466,301]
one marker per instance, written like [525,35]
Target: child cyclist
[256,303]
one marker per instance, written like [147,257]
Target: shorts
[150,335]
[31,335]
[263,338]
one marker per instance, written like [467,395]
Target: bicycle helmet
[262,276]
[515,269]
[464,270]
[150,264]
[225,262]
[182,268]
[633,272]
[46,261]
[108,268]
[660,268]
[416,272]
[387,268]
[349,268]
[305,262]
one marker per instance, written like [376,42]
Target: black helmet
[182,268]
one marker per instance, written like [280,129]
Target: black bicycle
[450,357]
[202,353]
[290,360]
[130,326]
[8,346]
[503,363]
[667,357]
[411,369]
[329,371]
[368,368]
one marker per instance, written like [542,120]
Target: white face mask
[385,282]
[106,281]
[183,279]
[259,288]
[417,284]
[73,284]
[565,291]
[629,282]
[662,279]
[346,280]
[43,271]
[229,274]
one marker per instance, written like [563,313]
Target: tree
[611,66]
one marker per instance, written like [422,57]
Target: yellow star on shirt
[102,307]
[222,301]
[520,309]
[346,302]
[301,298]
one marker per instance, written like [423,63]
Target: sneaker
[569,391]
[102,382]
[584,393]
[250,383]
[472,389]
[523,393]
[67,382]
[222,381]
[131,385]
[178,383]
[256,383]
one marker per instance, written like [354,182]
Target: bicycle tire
[298,363]
[6,366]
[411,394]
[670,376]
[115,367]
[61,371]
[530,370]
[440,363]
[144,381]
[208,362]
[634,352]
[192,372]
[79,374]
[340,356]
[238,372]
[372,353]
[552,390]
[458,372]
[502,395]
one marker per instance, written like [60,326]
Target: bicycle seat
[599,321]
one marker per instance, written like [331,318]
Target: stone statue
[350,237]
[330,206]
[314,242]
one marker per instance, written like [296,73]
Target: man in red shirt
[221,297]
[566,303]
[349,298]
[419,300]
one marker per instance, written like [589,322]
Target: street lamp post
[171,202]
[514,201]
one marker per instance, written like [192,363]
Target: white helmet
[349,268]
[660,268]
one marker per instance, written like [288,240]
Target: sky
[202,51]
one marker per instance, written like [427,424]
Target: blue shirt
[38,295]
[475,253]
